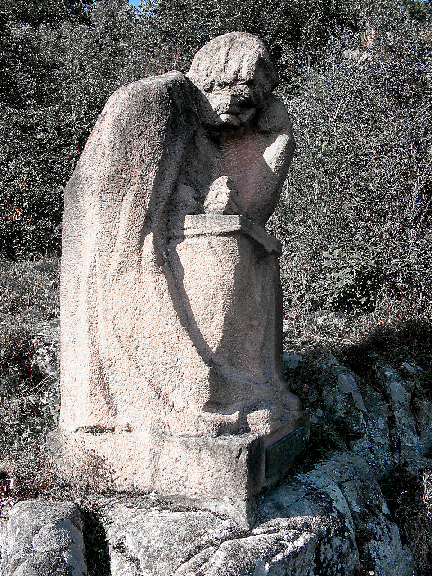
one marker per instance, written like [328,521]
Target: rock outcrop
[330,517]
[42,538]
[332,520]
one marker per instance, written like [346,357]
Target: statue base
[223,474]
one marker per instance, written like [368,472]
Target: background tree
[355,75]
[356,213]
[295,32]
[60,61]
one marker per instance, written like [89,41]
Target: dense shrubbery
[63,60]
[29,302]
[295,32]
[411,508]
[357,214]
[357,208]
[60,66]
[28,400]
[29,290]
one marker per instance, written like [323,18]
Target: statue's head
[235,73]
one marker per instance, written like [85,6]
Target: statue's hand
[222,197]
[238,120]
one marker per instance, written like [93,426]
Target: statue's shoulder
[148,110]
[151,89]
[274,117]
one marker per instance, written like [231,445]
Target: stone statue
[171,311]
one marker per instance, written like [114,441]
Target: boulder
[43,538]
[332,520]
[399,395]
[375,446]
[342,400]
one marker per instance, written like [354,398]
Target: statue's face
[235,76]
[236,103]
[232,104]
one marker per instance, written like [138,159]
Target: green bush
[62,62]
[359,189]
[29,290]
[349,281]
[29,384]
[360,181]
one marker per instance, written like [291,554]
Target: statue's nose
[225,101]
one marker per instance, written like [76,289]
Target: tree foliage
[357,211]
[418,10]
[295,32]
[60,61]
[356,75]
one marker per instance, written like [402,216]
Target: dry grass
[29,290]
[29,375]
[305,327]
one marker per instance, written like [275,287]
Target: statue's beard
[233,112]
[220,113]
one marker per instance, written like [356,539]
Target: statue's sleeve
[129,165]
[117,196]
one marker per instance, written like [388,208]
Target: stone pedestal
[223,474]
[189,374]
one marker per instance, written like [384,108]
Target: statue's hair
[233,57]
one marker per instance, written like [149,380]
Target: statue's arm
[274,122]
[274,133]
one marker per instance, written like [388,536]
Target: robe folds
[171,319]
[114,231]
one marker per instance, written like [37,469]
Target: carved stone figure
[171,312]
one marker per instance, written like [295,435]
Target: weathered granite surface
[171,303]
[330,521]
[388,421]
[43,538]
[398,394]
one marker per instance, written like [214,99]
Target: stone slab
[331,520]
[223,474]
[211,224]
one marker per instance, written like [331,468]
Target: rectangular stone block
[223,474]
